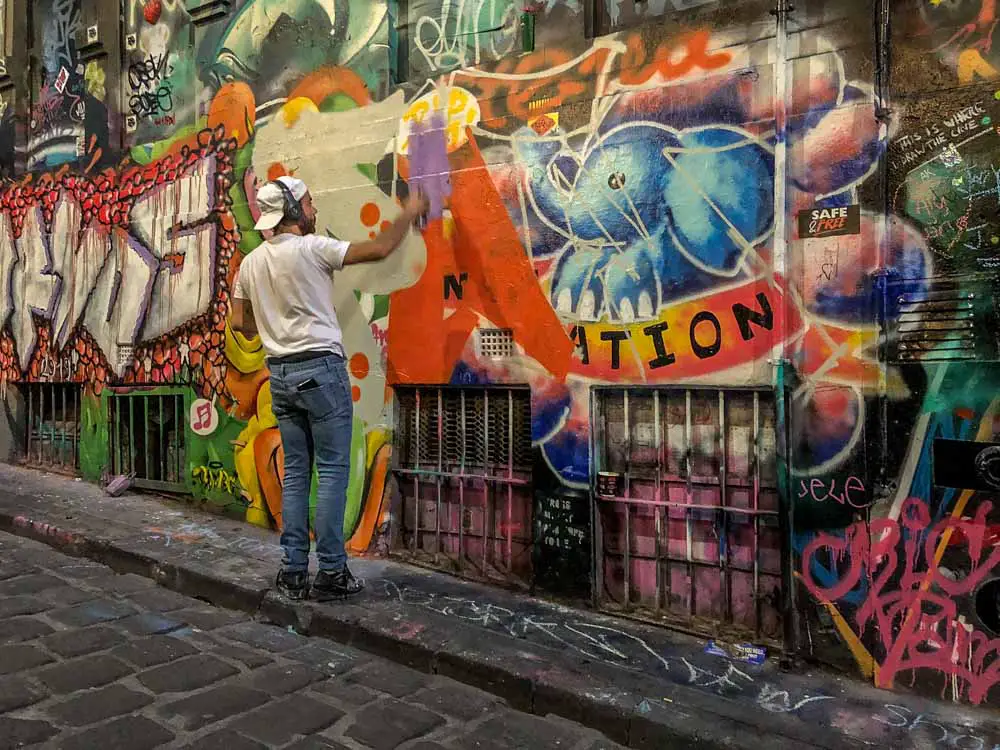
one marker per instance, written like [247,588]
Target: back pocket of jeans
[326,399]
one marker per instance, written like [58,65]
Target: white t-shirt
[289,282]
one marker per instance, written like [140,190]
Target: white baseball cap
[271,201]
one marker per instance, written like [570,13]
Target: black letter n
[745,316]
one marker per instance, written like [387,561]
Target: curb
[687,718]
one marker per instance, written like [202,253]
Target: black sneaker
[294,585]
[338,585]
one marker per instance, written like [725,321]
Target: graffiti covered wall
[907,585]
[712,204]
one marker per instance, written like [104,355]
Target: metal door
[687,508]
[147,435]
[52,439]
[463,463]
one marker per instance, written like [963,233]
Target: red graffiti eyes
[616,180]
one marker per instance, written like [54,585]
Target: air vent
[496,343]
[464,426]
[953,321]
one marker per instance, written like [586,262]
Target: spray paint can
[448,224]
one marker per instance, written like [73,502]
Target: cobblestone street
[92,659]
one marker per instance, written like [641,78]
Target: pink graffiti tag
[909,600]
[203,412]
[821,490]
[379,334]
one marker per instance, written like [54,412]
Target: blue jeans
[312,401]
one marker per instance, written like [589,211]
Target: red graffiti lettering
[379,334]
[909,605]
[670,60]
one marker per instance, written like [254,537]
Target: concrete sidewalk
[641,686]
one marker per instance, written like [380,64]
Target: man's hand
[416,205]
[415,208]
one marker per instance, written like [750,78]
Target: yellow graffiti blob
[214,478]
[246,355]
[462,111]
[94,78]
[247,358]
[292,110]
[246,461]
[260,462]
[972,65]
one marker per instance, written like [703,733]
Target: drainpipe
[780,265]
[883,115]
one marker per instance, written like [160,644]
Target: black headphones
[292,208]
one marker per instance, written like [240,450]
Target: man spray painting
[284,294]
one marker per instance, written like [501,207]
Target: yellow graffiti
[863,657]
[246,355]
[214,478]
[971,65]
[292,110]
[463,111]
[246,462]
[94,77]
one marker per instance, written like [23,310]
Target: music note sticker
[204,417]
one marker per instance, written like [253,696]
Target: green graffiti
[94,438]
[249,238]
[255,46]
[215,454]
[355,483]
[215,477]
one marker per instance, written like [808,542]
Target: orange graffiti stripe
[415,338]
[839,353]
[330,80]
[501,99]
[689,338]
[424,346]
[374,502]
[269,458]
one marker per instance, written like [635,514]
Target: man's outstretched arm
[382,246]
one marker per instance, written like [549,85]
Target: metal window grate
[147,438]
[953,321]
[496,343]
[480,429]
[463,459]
[687,507]
[52,427]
